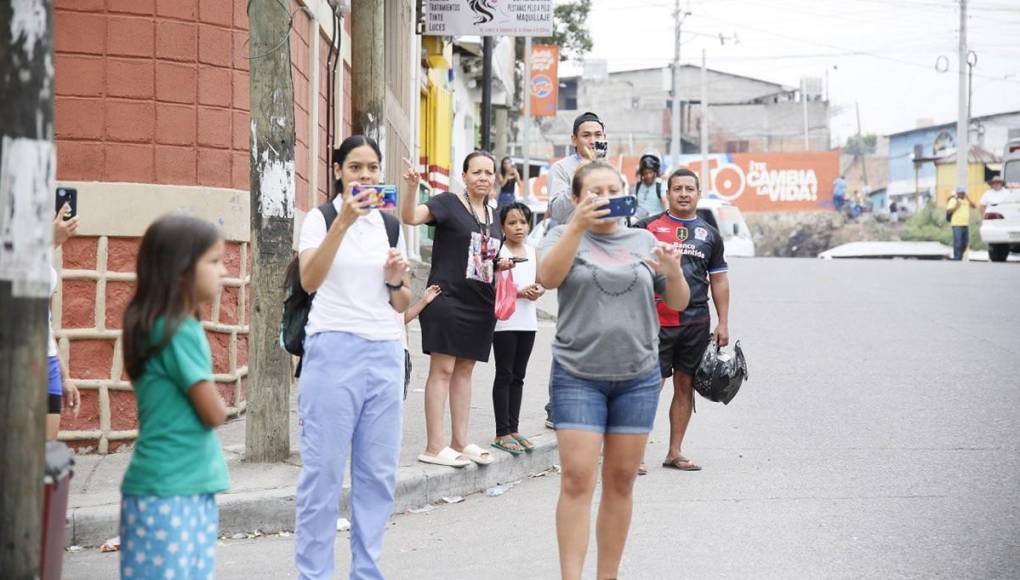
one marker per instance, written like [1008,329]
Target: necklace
[485,210]
[486,251]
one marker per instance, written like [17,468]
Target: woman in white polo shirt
[352,377]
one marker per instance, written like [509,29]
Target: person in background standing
[456,329]
[996,194]
[838,193]
[894,212]
[60,389]
[508,180]
[958,211]
[589,142]
[514,337]
[684,336]
[648,190]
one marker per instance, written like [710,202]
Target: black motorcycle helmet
[649,161]
[720,374]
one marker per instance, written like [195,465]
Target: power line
[840,48]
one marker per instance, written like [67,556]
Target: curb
[272,510]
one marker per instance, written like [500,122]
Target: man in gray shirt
[588,130]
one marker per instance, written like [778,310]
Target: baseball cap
[585,118]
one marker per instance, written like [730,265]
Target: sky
[880,54]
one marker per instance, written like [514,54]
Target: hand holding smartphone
[67,196]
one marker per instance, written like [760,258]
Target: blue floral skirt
[168,537]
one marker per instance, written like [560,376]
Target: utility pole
[706,175]
[803,100]
[674,145]
[487,93]
[368,83]
[27,179]
[526,122]
[963,121]
[267,429]
[860,150]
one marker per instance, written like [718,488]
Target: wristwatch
[394,286]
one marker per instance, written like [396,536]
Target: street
[878,437]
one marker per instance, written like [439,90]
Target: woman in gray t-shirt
[605,381]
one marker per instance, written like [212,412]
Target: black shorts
[54,404]
[681,348]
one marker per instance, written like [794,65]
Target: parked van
[726,217]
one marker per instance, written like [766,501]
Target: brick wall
[157,92]
[152,91]
[98,281]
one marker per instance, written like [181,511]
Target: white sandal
[447,457]
[478,455]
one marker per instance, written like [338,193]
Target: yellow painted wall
[945,182]
[436,129]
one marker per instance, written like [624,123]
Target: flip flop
[642,469]
[503,445]
[524,442]
[681,463]
[477,454]
[447,457]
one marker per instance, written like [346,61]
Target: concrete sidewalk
[261,496]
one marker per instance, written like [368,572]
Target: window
[738,146]
[567,98]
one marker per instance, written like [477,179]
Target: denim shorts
[605,406]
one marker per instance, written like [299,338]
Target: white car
[726,217]
[1000,226]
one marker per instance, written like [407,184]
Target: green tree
[861,145]
[570,30]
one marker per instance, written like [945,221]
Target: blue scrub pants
[350,402]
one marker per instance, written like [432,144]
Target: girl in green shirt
[169,521]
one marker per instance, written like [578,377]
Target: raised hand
[64,229]
[665,260]
[395,268]
[431,293]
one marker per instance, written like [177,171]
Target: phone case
[602,149]
[385,196]
[622,206]
[68,195]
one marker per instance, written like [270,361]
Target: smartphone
[68,195]
[382,196]
[621,206]
[601,149]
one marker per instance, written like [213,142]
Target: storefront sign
[488,17]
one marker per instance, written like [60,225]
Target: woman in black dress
[457,327]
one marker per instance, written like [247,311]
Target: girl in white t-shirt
[514,337]
[350,395]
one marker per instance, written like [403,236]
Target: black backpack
[299,303]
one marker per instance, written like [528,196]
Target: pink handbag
[506,295]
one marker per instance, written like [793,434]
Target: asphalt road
[878,437]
